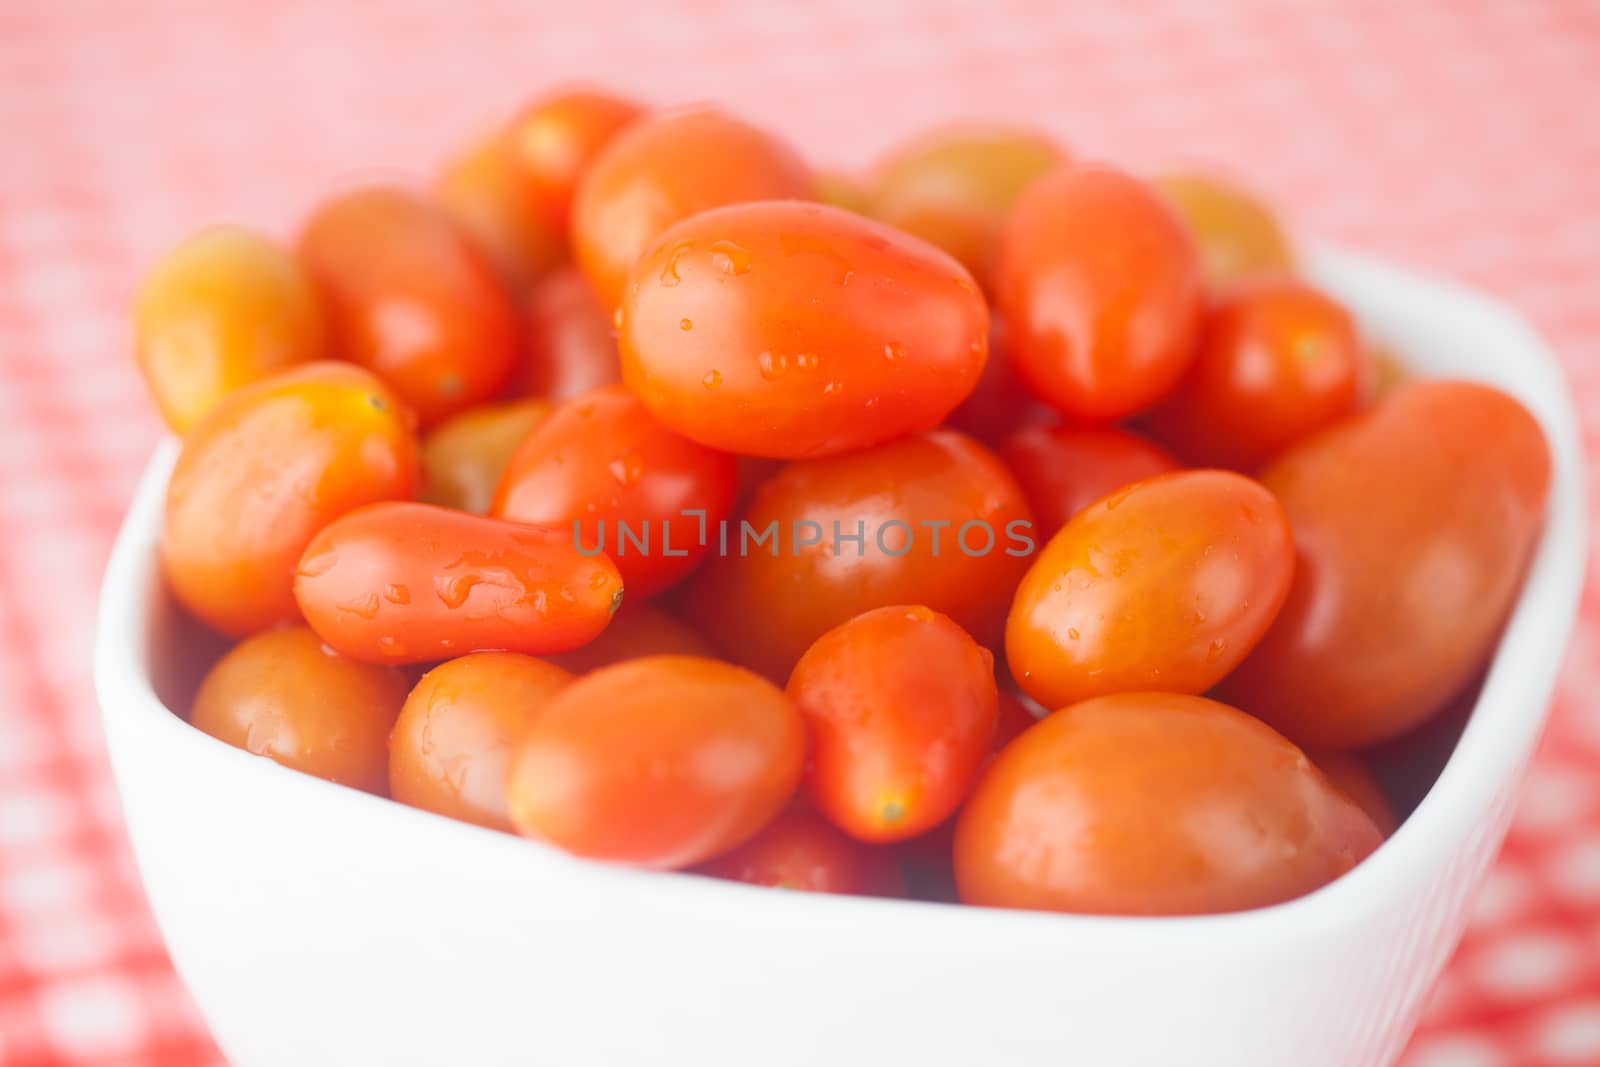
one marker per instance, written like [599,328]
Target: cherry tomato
[1388,369]
[1064,469]
[1278,361]
[223,309]
[452,743]
[1166,585]
[1100,287]
[1413,523]
[603,469]
[464,456]
[287,696]
[900,707]
[1355,781]
[665,168]
[843,191]
[1013,719]
[411,298]
[954,187]
[798,850]
[571,346]
[555,139]
[481,191]
[1154,804]
[637,630]
[409,583]
[799,330]
[273,463]
[932,519]
[662,762]
[999,404]
[1237,234]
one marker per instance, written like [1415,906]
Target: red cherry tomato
[481,191]
[1154,804]
[1412,523]
[1064,469]
[892,335]
[571,346]
[1278,361]
[665,168]
[914,524]
[553,142]
[636,631]
[412,299]
[1164,585]
[1100,287]
[601,467]
[452,743]
[1013,719]
[268,467]
[1356,781]
[999,404]
[287,696]
[798,850]
[409,583]
[900,706]
[661,762]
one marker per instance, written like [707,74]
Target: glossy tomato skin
[663,762]
[1278,361]
[554,140]
[412,583]
[1064,469]
[411,298]
[1355,780]
[637,630]
[1169,582]
[1096,810]
[900,708]
[451,745]
[464,456]
[1100,286]
[893,334]
[1238,235]
[1413,523]
[570,345]
[480,189]
[600,465]
[665,168]
[267,468]
[764,609]
[223,309]
[800,850]
[285,695]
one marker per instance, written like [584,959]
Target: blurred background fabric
[1457,137]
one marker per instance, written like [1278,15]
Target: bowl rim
[1499,737]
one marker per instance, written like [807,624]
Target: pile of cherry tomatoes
[998,526]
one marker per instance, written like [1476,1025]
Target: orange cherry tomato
[412,299]
[954,187]
[1166,584]
[287,696]
[900,707]
[1238,234]
[1013,719]
[893,334]
[482,192]
[571,346]
[1100,287]
[1154,804]
[665,168]
[555,139]
[798,850]
[1064,469]
[637,630]
[223,309]
[1278,361]
[933,519]
[662,762]
[1356,781]
[409,583]
[464,456]
[451,746]
[999,404]
[1412,523]
[269,466]
[601,467]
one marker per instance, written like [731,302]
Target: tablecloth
[1457,136]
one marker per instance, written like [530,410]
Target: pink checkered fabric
[1459,137]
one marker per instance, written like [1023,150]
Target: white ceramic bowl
[318,925]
